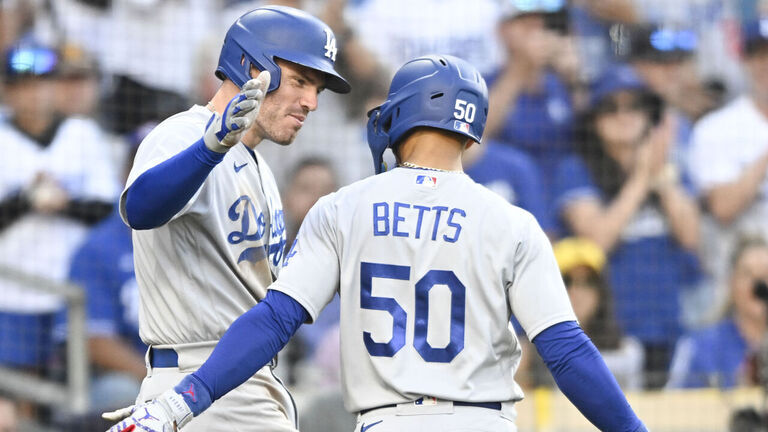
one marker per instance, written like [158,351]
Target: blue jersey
[715,356]
[513,175]
[648,268]
[104,268]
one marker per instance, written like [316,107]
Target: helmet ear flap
[378,139]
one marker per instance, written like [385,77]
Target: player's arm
[247,346]
[582,375]
[308,281]
[163,190]
[541,305]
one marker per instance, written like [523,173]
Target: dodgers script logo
[252,229]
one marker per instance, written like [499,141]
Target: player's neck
[432,149]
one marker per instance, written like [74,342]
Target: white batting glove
[167,413]
[225,130]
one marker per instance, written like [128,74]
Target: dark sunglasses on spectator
[612,106]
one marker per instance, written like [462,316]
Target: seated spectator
[510,173]
[729,159]
[725,354]
[623,192]
[530,106]
[56,179]
[582,264]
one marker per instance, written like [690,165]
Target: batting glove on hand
[225,130]
[168,413]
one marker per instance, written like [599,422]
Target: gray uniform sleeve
[537,292]
[310,272]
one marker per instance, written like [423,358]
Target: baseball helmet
[268,33]
[438,91]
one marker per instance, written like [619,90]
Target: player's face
[752,266]
[621,119]
[284,110]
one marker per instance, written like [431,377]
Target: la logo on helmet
[330,45]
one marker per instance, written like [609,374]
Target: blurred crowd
[636,131]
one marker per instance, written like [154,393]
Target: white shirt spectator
[723,144]
[79,160]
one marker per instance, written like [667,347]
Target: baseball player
[430,266]
[207,218]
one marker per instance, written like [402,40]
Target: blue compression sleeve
[249,344]
[582,375]
[163,190]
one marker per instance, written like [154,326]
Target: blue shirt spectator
[648,267]
[104,267]
[510,173]
[712,357]
[540,122]
[725,354]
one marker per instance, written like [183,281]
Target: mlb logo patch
[461,126]
[427,181]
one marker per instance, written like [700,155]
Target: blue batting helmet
[438,91]
[267,33]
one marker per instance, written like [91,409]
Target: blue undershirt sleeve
[163,190]
[582,375]
[249,344]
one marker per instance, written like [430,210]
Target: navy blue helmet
[267,33]
[438,91]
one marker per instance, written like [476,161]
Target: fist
[225,130]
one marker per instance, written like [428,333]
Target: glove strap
[176,406]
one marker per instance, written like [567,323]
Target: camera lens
[760,289]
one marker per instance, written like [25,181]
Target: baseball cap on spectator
[652,42]
[75,62]
[623,77]
[754,35]
[514,8]
[614,79]
[575,252]
[29,60]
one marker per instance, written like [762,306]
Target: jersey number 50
[368,271]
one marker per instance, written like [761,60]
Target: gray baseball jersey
[215,258]
[429,266]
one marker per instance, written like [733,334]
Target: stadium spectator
[530,106]
[311,179]
[582,264]
[624,193]
[664,56]
[146,47]
[510,173]
[726,353]
[56,179]
[77,82]
[729,160]
[103,266]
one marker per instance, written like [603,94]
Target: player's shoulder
[183,127]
